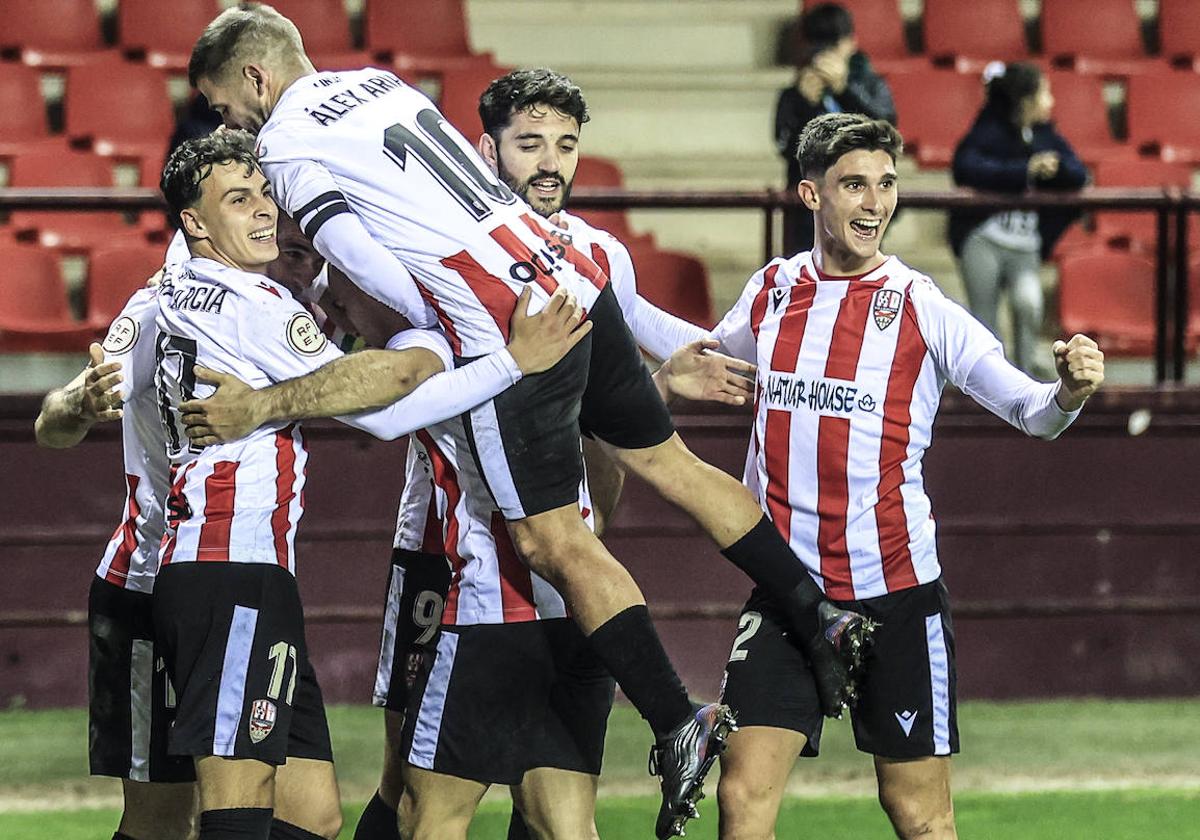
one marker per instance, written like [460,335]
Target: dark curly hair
[519,89]
[829,136]
[193,161]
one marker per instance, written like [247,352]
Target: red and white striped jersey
[131,558]
[399,200]
[238,501]
[446,509]
[850,375]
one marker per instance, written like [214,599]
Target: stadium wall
[1072,564]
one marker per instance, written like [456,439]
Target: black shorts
[416,595]
[131,703]
[526,440]
[908,704]
[501,699]
[233,639]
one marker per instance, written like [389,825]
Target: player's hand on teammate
[100,395]
[538,342]
[1080,365]
[697,372]
[233,411]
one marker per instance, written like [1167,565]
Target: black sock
[517,830]
[629,647]
[766,557]
[377,822]
[119,836]
[281,830]
[236,824]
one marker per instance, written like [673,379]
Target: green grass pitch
[1056,770]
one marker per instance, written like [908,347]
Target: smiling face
[234,220]
[852,203]
[536,155]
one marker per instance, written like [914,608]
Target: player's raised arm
[69,412]
[973,359]
[391,382]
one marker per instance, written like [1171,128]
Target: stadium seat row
[62,33]
[1096,36]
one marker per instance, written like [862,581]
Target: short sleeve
[735,331]
[280,336]
[130,341]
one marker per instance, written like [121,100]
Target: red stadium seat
[1137,228]
[122,109]
[1081,115]
[935,108]
[454,85]
[34,315]
[1179,31]
[1162,112]
[164,37]
[1109,295]
[113,275]
[431,29]
[51,33]
[601,172]
[323,24]
[22,111]
[64,167]
[675,282]
[1097,36]
[879,29]
[972,34]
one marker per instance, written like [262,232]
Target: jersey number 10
[449,167]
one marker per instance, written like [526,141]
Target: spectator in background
[1011,147]
[832,76]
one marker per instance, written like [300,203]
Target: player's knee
[745,810]
[430,817]
[551,551]
[912,818]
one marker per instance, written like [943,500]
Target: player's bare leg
[915,794]
[834,640]
[158,810]
[559,546]
[435,806]
[391,783]
[241,788]
[754,774]
[306,796]
[608,606]
[380,819]
[557,804]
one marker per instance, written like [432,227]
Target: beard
[542,206]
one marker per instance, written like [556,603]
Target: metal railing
[1171,208]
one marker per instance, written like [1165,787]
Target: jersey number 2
[450,166]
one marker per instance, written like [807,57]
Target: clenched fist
[1080,365]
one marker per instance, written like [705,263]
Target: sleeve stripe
[322,199]
[314,224]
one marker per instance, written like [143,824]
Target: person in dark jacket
[1012,147]
[832,76]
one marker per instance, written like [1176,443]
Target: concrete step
[708,34]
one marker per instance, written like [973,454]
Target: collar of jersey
[821,275]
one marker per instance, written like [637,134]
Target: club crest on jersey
[122,335]
[262,719]
[304,336]
[885,306]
